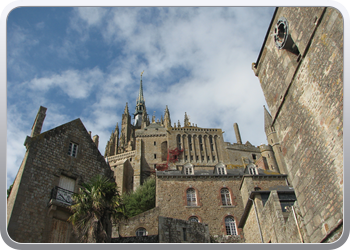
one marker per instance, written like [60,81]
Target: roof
[279,189]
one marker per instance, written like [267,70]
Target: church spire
[140,98]
[140,106]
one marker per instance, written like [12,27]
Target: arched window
[193,219]
[191,197]
[141,231]
[225,197]
[230,225]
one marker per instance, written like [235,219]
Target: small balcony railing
[62,195]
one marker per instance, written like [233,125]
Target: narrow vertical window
[230,226]
[72,149]
[184,234]
[225,197]
[190,143]
[191,197]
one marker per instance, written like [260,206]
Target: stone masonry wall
[147,220]
[305,98]
[172,201]
[180,231]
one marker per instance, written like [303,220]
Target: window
[188,169]
[230,226]
[220,169]
[178,141]
[254,156]
[141,232]
[154,143]
[155,156]
[225,197]
[191,197]
[253,170]
[184,234]
[193,219]
[72,150]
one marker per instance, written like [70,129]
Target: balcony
[61,197]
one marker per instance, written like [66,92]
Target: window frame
[141,229]
[225,197]
[230,225]
[191,197]
[73,149]
[193,218]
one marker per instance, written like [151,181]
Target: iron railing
[62,195]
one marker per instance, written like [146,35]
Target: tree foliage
[97,204]
[142,199]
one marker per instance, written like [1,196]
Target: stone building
[55,163]
[287,191]
[199,176]
[300,68]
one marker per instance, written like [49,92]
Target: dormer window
[188,169]
[73,149]
[220,169]
[253,170]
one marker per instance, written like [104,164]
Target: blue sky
[86,63]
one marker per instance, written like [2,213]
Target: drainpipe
[257,219]
[296,222]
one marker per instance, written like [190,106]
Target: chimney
[38,123]
[95,140]
[238,136]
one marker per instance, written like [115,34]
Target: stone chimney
[238,135]
[38,123]
[95,140]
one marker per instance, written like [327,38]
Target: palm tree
[95,206]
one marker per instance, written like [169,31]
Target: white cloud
[74,83]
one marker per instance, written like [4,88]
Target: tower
[125,133]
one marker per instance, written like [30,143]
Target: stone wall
[172,201]
[137,239]
[180,231]
[147,220]
[305,97]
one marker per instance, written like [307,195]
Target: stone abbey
[289,190]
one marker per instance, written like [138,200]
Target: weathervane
[142,73]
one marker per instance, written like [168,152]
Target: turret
[167,120]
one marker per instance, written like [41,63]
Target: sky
[86,63]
